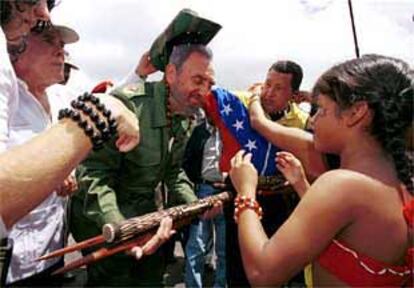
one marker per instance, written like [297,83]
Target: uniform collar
[289,113]
[292,111]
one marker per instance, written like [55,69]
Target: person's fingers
[152,245]
[164,232]
[247,158]
[136,252]
[213,211]
[126,143]
[233,160]
[289,158]
[127,123]
[281,162]
[219,206]
[280,167]
[283,154]
[121,140]
[166,227]
[238,158]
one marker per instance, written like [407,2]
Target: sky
[256,33]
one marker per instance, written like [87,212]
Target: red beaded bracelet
[242,203]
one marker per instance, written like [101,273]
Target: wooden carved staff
[136,226]
[122,236]
[135,231]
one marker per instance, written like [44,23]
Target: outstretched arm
[30,172]
[293,171]
[294,140]
[317,219]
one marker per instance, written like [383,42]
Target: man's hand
[128,127]
[302,96]
[145,66]
[214,211]
[164,233]
[256,89]
[68,187]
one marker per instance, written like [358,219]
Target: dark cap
[186,28]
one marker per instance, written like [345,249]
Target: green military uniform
[115,186]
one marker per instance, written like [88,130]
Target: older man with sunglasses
[24,180]
[42,230]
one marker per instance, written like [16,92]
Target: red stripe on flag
[230,144]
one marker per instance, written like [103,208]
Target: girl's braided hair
[387,85]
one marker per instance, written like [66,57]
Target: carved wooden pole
[137,226]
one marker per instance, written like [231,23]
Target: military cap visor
[67,34]
[186,28]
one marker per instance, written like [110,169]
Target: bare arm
[30,172]
[320,215]
[293,171]
[294,140]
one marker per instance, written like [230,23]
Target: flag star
[251,145]
[238,125]
[227,109]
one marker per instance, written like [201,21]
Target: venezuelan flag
[230,115]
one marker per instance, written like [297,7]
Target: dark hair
[289,67]
[180,53]
[387,85]
[6,8]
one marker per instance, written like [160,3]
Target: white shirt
[60,97]
[8,92]
[210,169]
[41,231]
[132,77]
[8,102]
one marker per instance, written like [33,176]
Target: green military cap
[186,28]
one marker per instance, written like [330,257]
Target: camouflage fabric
[186,28]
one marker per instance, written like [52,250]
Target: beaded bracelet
[242,203]
[99,123]
[102,131]
[96,139]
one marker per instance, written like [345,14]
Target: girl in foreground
[350,223]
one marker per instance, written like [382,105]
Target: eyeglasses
[41,26]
